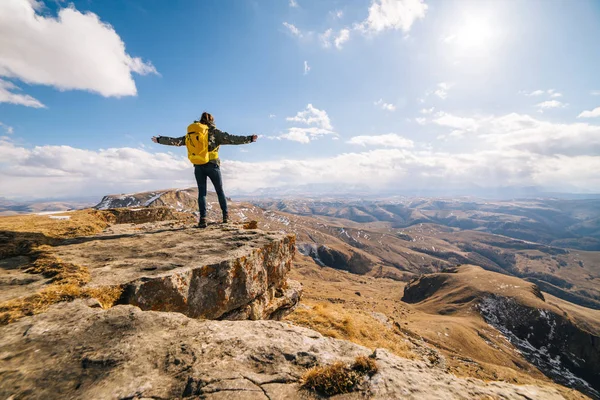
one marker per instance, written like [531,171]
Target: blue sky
[371,93]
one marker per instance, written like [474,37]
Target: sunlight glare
[474,33]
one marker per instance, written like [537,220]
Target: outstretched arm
[225,138]
[169,141]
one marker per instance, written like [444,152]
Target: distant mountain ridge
[13,207]
[564,223]
[179,199]
[345,191]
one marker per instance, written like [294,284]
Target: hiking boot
[225,218]
[202,223]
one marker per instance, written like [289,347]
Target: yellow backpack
[196,142]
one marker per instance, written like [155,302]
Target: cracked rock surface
[77,352]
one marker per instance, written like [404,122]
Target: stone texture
[219,272]
[77,352]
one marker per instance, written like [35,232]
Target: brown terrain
[9,207]
[455,312]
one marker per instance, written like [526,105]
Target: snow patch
[60,217]
[153,199]
[495,310]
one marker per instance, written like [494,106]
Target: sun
[476,32]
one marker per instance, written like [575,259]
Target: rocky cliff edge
[222,272]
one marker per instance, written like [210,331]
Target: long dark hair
[207,119]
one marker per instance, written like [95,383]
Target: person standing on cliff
[202,141]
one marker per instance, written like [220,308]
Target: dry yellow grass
[80,223]
[62,273]
[33,236]
[356,326]
[106,295]
[339,377]
[13,310]
[365,365]
[332,379]
[66,283]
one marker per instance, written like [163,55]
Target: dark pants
[212,171]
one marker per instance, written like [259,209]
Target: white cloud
[338,14]
[304,135]
[74,51]
[534,93]
[421,121]
[388,140]
[293,30]
[393,14]
[7,95]
[550,92]
[342,37]
[550,104]
[8,129]
[325,38]
[306,68]
[413,170]
[293,3]
[271,116]
[450,38]
[595,92]
[523,132]
[385,106]
[459,123]
[312,116]
[45,171]
[309,116]
[427,110]
[590,114]
[522,151]
[296,135]
[442,90]
[383,15]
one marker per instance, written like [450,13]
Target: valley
[463,299]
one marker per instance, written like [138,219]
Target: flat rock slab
[14,281]
[222,272]
[133,252]
[76,352]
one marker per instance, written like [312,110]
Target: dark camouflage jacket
[215,139]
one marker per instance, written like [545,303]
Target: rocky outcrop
[77,352]
[221,272]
